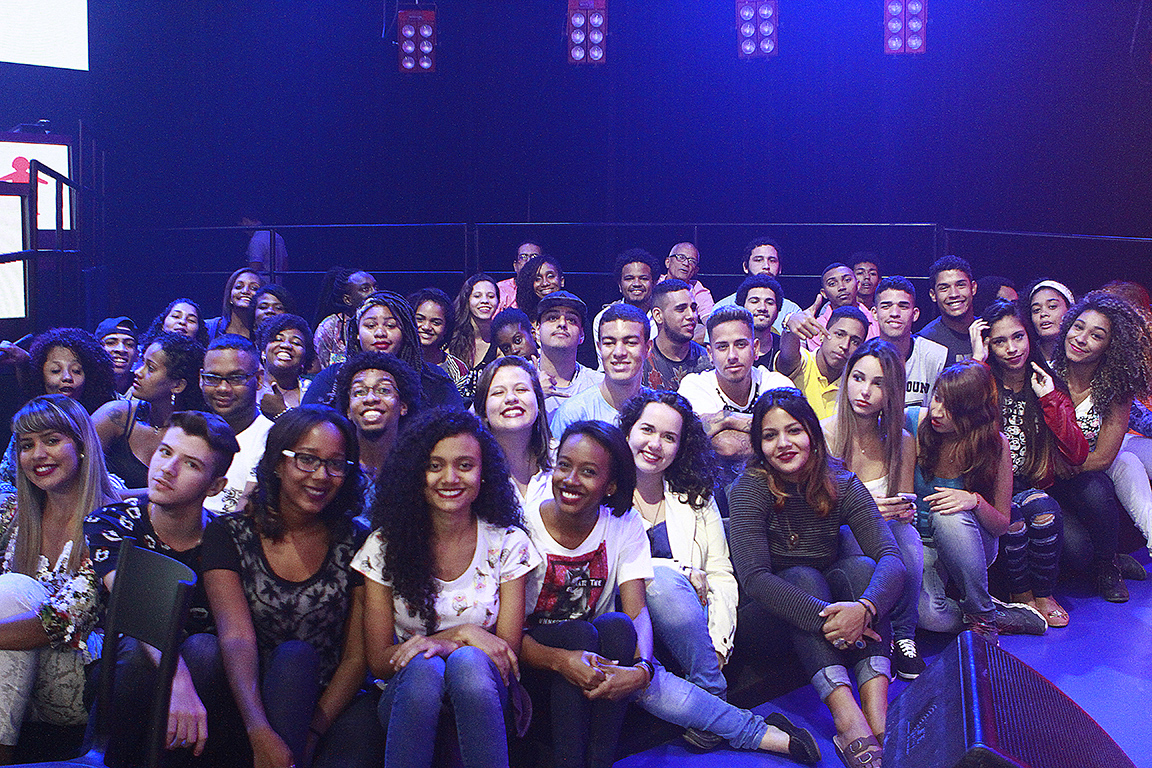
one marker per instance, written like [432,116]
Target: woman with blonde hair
[49,593]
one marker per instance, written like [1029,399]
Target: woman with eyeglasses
[787,509]
[288,605]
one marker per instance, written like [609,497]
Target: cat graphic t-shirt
[581,583]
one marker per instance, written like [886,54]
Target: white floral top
[502,554]
[73,607]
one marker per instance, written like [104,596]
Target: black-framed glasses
[382,390]
[686,260]
[306,462]
[233,380]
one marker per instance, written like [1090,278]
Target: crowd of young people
[426,516]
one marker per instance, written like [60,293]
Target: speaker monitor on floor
[978,706]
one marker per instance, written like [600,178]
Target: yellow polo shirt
[820,392]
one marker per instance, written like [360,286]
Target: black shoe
[801,746]
[1109,584]
[909,665]
[1130,568]
[705,740]
[1010,619]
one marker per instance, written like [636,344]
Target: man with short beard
[674,354]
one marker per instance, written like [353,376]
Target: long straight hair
[968,392]
[463,341]
[1039,442]
[817,477]
[227,310]
[889,421]
[64,415]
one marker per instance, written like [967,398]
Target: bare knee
[1044,520]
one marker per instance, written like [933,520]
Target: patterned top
[108,527]
[331,346]
[313,610]
[1012,425]
[73,607]
[502,554]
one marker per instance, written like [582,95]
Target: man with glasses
[230,380]
[525,251]
[683,263]
[376,391]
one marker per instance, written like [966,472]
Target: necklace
[653,513]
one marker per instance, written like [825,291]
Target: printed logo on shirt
[571,587]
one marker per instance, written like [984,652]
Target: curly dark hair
[401,512]
[462,343]
[184,358]
[407,380]
[526,298]
[285,434]
[409,350]
[693,471]
[441,299]
[157,325]
[278,323]
[1125,368]
[623,467]
[99,380]
[1039,442]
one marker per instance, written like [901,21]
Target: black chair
[150,600]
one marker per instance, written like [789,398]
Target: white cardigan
[697,540]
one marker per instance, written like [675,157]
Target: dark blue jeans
[584,732]
[412,701]
[1091,519]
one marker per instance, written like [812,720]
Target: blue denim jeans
[961,551]
[845,580]
[679,702]
[411,704]
[680,625]
[906,612]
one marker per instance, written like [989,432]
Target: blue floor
[1102,660]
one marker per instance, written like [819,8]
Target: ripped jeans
[1032,543]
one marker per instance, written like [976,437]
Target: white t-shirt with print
[242,470]
[502,554]
[581,583]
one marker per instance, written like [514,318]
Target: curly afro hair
[1125,368]
[693,471]
[401,511]
[99,380]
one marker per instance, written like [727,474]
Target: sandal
[1052,612]
[864,752]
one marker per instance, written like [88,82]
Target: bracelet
[871,613]
[648,667]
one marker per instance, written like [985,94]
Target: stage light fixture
[416,37]
[587,27]
[756,28]
[905,23]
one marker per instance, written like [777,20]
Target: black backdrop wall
[1024,114]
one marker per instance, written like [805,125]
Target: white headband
[1060,288]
